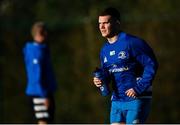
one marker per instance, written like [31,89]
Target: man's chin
[104,35]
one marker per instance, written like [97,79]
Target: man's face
[106,26]
[40,36]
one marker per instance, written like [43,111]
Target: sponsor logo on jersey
[112,53]
[121,69]
[122,55]
[114,65]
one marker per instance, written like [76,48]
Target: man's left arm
[145,56]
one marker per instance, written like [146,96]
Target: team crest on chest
[111,53]
[122,55]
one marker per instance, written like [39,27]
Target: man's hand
[97,82]
[131,93]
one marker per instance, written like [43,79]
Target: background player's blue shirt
[126,60]
[41,80]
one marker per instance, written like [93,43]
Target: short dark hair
[38,27]
[113,12]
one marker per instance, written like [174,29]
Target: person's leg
[116,115]
[42,122]
[31,118]
[121,123]
[132,117]
[51,109]
[133,110]
[41,106]
[138,111]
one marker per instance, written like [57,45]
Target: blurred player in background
[132,66]
[41,83]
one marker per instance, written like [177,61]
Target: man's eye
[103,23]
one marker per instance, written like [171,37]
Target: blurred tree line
[75,44]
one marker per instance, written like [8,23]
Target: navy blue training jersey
[131,64]
[41,79]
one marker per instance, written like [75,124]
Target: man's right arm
[97,82]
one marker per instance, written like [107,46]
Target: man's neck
[113,39]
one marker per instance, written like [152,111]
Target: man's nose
[102,26]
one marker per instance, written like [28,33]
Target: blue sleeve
[144,55]
[104,67]
[101,58]
[27,55]
[34,56]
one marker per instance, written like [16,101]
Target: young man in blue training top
[132,66]
[41,83]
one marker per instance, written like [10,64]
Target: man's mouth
[103,31]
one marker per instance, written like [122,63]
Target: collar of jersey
[121,36]
[39,44]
